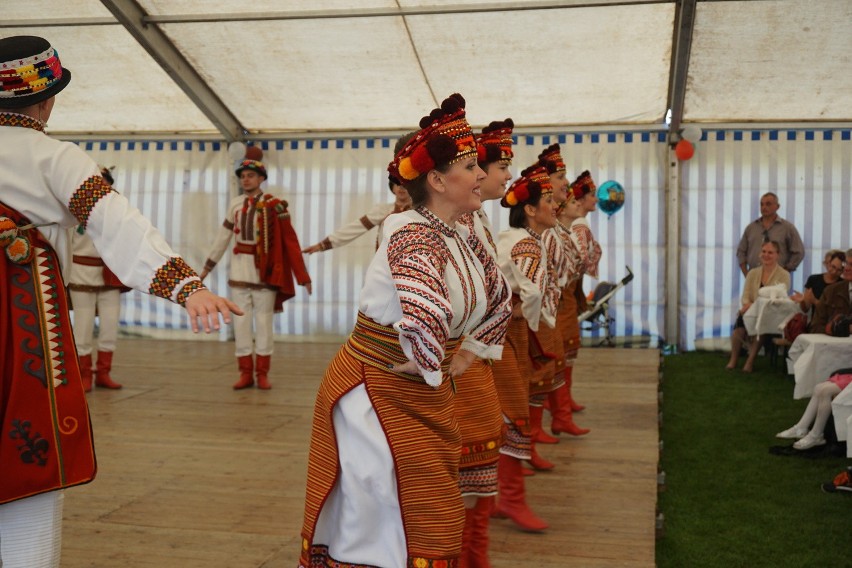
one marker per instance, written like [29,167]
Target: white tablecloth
[766,315]
[813,357]
[841,408]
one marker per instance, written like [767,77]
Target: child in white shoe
[817,412]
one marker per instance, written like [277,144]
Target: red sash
[45,432]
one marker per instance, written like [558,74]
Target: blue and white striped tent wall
[720,192]
[184,188]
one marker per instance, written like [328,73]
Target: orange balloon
[684,150]
[254,153]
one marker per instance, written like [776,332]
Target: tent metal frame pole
[389,12]
[164,52]
[682,45]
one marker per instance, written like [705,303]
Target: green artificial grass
[728,501]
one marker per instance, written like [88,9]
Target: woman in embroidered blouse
[523,260]
[382,471]
[769,273]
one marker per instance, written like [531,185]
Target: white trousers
[106,305]
[259,308]
[31,531]
[361,521]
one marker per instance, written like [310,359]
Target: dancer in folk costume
[477,404]
[95,291]
[375,217]
[383,467]
[569,269]
[267,257]
[586,252]
[523,260]
[46,188]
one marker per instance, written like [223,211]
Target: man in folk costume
[266,258]
[562,249]
[95,291]
[46,188]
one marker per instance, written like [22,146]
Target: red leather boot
[537,434]
[86,371]
[467,536]
[512,502]
[539,462]
[477,552]
[575,406]
[246,366]
[261,370]
[563,419]
[104,366]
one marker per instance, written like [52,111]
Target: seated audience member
[835,300]
[817,283]
[817,412]
[769,273]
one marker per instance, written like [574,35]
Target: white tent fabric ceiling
[323,66]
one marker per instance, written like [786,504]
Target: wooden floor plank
[193,474]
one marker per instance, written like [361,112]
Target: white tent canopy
[274,68]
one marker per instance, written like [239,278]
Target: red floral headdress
[495,142]
[583,185]
[532,183]
[551,159]
[444,137]
[252,161]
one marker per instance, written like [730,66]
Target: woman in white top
[383,467]
[769,273]
[523,260]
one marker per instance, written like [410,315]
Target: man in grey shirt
[770,227]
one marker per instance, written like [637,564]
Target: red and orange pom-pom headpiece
[528,188]
[444,138]
[583,185]
[495,142]
[551,159]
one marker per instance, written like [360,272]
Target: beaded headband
[532,183]
[583,185]
[444,138]
[30,71]
[495,143]
[253,165]
[551,158]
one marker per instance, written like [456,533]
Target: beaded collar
[533,233]
[436,223]
[22,120]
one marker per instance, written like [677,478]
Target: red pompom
[254,153]
[453,103]
[442,148]
[421,160]
[481,154]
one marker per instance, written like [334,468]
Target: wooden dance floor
[195,475]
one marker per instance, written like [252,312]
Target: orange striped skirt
[481,424]
[567,323]
[511,379]
[423,436]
